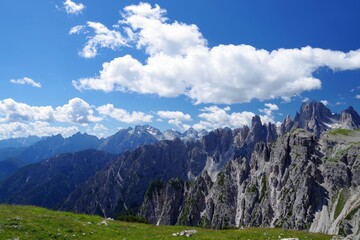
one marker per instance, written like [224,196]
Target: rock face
[349,119]
[126,181]
[296,182]
[315,117]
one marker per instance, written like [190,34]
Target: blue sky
[98,66]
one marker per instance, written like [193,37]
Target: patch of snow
[191,176]
[211,168]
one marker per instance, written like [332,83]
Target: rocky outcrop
[297,182]
[349,119]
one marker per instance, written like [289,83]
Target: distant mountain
[35,149]
[9,167]
[129,139]
[19,142]
[57,144]
[11,152]
[50,181]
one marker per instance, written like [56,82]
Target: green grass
[24,222]
[343,195]
[340,131]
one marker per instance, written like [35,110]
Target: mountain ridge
[302,175]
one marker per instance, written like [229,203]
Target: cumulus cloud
[122,115]
[75,111]
[174,115]
[268,113]
[37,128]
[73,8]
[102,38]
[27,81]
[215,117]
[98,130]
[176,118]
[181,63]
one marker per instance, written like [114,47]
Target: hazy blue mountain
[49,182]
[57,144]
[19,142]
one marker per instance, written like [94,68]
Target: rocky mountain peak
[349,119]
[315,110]
[315,117]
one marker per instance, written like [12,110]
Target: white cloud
[73,8]
[27,81]
[180,63]
[75,111]
[325,102]
[98,130]
[122,115]
[174,115]
[38,128]
[357,96]
[339,103]
[214,117]
[306,99]
[176,118]
[77,29]
[12,111]
[268,111]
[102,38]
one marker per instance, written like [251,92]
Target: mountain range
[15,153]
[303,174]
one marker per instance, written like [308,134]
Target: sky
[100,66]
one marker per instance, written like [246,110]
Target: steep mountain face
[297,182]
[56,145]
[121,186]
[315,117]
[49,182]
